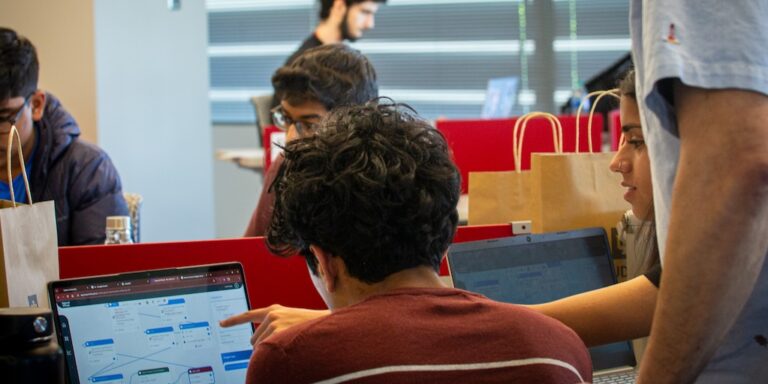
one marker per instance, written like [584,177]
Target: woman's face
[633,163]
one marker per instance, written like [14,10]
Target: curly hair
[332,74]
[375,186]
[19,68]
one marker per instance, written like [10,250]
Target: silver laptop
[534,269]
[154,326]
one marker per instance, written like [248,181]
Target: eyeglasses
[6,122]
[284,122]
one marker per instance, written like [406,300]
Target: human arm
[716,241]
[619,312]
[273,319]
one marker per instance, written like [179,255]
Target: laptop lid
[534,269]
[156,326]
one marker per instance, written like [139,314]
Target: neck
[328,32]
[353,291]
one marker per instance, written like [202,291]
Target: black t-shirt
[654,275]
[311,42]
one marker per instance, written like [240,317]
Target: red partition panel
[614,123]
[486,145]
[270,279]
[267,140]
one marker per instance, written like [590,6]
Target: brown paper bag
[572,191]
[28,246]
[502,197]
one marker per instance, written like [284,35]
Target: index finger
[252,316]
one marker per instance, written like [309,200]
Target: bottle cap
[118,222]
[24,326]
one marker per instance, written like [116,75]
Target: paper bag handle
[600,94]
[517,144]
[15,133]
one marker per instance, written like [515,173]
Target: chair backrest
[262,105]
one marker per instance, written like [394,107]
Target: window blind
[436,55]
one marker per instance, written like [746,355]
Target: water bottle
[118,230]
[28,349]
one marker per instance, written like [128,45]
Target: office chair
[262,105]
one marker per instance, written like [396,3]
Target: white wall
[154,116]
[236,189]
[62,32]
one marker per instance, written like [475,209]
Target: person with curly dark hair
[319,80]
[370,202]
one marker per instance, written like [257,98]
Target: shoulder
[268,363]
[83,160]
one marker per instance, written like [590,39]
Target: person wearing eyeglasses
[319,80]
[78,176]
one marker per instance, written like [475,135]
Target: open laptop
[154,326]
[533,269]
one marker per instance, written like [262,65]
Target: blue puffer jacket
[79,177]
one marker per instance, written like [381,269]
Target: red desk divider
[267,140]
[270,279]
[486,145]
[614,122]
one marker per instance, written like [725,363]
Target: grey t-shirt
[708,44]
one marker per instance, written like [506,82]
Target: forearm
[620,312]
[716,237]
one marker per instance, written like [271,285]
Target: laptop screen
[154,327]
[534,269]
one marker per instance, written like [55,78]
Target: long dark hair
[646,243]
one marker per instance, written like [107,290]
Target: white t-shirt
[707,44]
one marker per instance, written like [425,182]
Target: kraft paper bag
[571,191]
[498,197]
[578,190]
[29,253]
[504,196]
[28,247]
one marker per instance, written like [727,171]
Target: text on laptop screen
[159,327]
[534,273]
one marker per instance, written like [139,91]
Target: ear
[37,102]
[338,10]
[327,267]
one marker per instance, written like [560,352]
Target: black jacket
[78,176]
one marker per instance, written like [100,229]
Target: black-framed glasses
[284,122]
[6,122]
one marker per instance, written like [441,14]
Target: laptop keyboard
[616,378]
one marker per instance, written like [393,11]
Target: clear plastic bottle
[118,230]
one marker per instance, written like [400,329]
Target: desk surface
[251,158]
